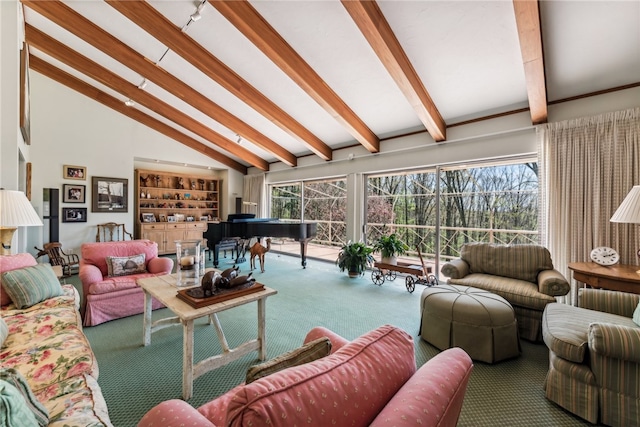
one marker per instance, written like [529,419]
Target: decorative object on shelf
[172,218]
[162,218]
[74,172]
[15,211]
[109,194]
[158,180]
[72,193]
[629,210]
[390,247]
[74,214]
[188,262]
[355,258]
[148,217]
[604,256]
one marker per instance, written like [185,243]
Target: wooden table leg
[187,360]
[262,305]
[146,324]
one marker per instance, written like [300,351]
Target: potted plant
[354,258]
[389,247]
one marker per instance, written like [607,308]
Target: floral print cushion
[47,346]
[76,401]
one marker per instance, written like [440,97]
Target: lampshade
[15,211]
[629,210]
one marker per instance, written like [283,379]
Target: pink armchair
[106,298]
[365,382]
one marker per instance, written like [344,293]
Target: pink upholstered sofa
[106,298]
[369,381]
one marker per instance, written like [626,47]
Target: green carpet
[134,378]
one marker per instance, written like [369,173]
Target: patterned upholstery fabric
[522,262]
[368,381]
[106,298]
[522,274]
[12,262]
[47,347]
[594,368]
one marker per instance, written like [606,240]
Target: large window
[439,210]
[324,202]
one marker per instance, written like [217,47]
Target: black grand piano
[225,234]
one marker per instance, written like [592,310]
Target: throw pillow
[31,285]
[124,266]
[4,331]
[313,350]
[25,398]
[636,315]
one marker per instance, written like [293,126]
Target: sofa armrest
[318,332]
[553,283]
[455,269]
[435,392]
[174,412]
[615,341]
[614,302]
[160,265]
[89,274]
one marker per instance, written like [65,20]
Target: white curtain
[254,193]
[588,166]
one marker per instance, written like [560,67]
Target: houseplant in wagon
[390,246]
[355,258]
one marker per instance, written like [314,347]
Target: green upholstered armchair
[594,357]
[521,274]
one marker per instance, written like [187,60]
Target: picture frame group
[148,217]
[74,214]
[72,193]
[109,194]
[74,172]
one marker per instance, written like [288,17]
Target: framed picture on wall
[74,172]
[109,194]
[74,214]
[73,193]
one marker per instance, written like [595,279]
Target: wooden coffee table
[164,289]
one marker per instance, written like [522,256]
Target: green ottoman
[480,322]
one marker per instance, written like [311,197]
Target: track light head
[195,16]
[129,103]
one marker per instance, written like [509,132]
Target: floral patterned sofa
[44,345]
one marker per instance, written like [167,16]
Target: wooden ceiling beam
[154,23]
[64,54]
[75,23]
[527,13]
[250,23]
[86,89]
[375,28]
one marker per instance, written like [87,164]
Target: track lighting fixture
[129,103]
[143,84]
[195,16]
[239,138]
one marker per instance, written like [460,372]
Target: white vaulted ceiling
[297,78]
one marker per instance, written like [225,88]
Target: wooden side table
[618,277]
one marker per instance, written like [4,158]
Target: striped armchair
[594,357]
[521,274]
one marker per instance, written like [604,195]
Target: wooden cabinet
[172,206]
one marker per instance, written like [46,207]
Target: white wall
[70,129]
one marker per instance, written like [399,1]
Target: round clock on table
[604,256]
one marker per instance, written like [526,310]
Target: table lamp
[629,210]
[15,211]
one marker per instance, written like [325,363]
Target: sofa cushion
[309,352]
[360,378]
[517,292]
[31,285]
[126,266]
[522,262]
[13,262]
[97,253]
[14,378]
[565,329]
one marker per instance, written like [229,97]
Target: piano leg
[303,252]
